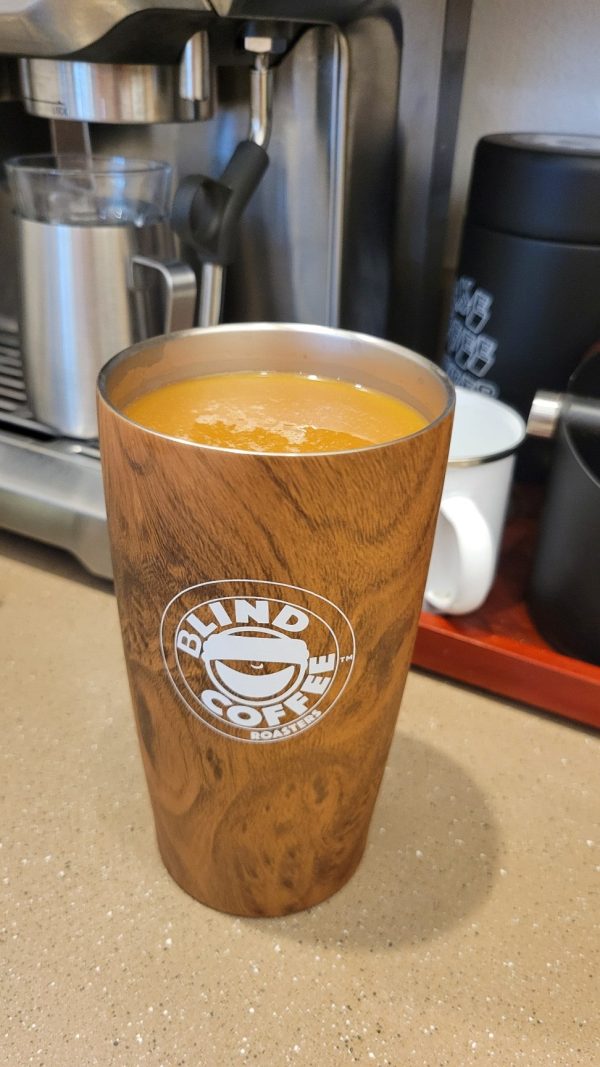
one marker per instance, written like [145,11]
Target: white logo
[470,353]
[257,661]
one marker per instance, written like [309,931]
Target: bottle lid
[538,185]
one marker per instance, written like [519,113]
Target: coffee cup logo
[257,661]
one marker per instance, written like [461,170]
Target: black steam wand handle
[206,214]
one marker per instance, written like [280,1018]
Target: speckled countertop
[466,937]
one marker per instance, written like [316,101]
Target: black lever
[206,211]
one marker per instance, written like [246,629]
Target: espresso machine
[279,119]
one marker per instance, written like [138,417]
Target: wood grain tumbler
[263,781]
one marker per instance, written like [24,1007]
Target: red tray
[498,647]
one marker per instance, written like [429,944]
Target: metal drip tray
[50,488]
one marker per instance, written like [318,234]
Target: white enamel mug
[485,436]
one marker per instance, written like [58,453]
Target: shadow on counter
[430,860]
[50,559]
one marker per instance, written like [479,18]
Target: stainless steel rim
[478,461]
[367,339]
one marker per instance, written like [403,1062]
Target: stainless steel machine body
[332,223]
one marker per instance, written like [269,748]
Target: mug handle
[476,558]
[179,287]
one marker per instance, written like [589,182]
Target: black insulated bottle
[527,295]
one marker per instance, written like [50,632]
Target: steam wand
[206,211]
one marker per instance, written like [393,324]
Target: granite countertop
[466,936]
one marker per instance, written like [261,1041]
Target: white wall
[531,65]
